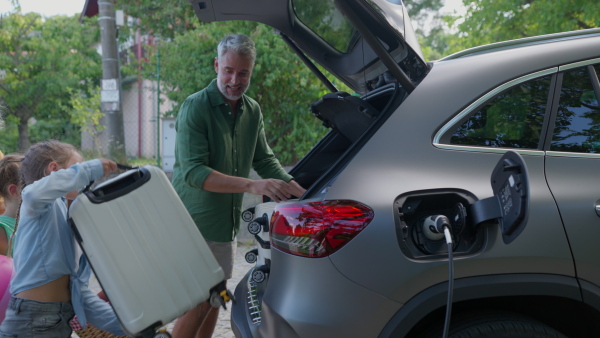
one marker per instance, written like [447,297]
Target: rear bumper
[249,311]
[307,297]
[240,315]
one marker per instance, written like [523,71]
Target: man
[220,136]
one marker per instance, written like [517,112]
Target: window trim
[573,154]
[578,64]
[477,104]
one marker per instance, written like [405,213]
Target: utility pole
[111,83]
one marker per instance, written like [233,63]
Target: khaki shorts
[224,252]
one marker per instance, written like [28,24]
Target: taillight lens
[317,229]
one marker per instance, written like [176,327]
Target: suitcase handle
[119,166]
[119,186]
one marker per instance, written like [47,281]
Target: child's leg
[30,318]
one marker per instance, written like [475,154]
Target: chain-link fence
[149,139]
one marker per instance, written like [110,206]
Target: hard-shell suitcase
[144,248]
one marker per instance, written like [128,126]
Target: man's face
[233,74]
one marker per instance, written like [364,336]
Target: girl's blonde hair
[39,155]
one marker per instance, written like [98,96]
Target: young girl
[10,191]
[51,275]
[1,156]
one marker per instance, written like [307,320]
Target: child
[1,156]
[10,191]
[51,274]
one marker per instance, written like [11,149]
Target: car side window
[512,119]
[577,127]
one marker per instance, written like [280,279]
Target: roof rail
[533,40]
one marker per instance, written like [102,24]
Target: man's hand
[296,189]
[277,190]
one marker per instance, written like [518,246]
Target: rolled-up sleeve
[264,162]
[192,144]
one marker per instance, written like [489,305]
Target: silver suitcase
[144,248]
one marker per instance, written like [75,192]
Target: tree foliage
[488,21]
[86,114]
[281,83]
[159,17]
[39,61]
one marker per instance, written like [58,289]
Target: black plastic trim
[480,288]
[120,187]
[590,293]
[239,317]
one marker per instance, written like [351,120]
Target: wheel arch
[551,299]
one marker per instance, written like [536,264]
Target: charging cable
[438,224]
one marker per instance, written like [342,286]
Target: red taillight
[317,229]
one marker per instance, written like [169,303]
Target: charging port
[417,241]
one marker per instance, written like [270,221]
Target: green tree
[86,113]
[488,21]
[39,61]
[166,18]
[281,83]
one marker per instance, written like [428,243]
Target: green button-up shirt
[210,138]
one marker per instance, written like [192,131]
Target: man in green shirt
[220,137]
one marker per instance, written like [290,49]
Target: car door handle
[598,208]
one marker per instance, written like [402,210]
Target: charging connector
[440,224]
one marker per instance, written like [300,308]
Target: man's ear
[216,64]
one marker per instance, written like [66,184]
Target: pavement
[223,328]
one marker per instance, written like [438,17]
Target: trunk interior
[352,120]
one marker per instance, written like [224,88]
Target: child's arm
[100,314]
[38,196]
[3,241]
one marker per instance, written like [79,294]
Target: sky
[46,7]
[70,7]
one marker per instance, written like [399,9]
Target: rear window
[577,127]
[323,18]
[512,119]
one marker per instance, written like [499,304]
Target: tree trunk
[24,143]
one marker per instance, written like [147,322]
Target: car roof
[528,41]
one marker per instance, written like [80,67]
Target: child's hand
[108,165]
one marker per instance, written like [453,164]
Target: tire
[501,325]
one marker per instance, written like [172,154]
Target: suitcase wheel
[164,334]
[219,296]
[251,256]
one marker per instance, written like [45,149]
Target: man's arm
[277,190]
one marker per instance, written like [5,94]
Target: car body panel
[291,316]
[388,276]
[371,287]
[577,193]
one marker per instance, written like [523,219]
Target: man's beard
[223,89]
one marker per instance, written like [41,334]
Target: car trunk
[369,45]
[352,122]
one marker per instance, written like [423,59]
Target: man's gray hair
[238,43]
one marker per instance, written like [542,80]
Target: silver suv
[359,255]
